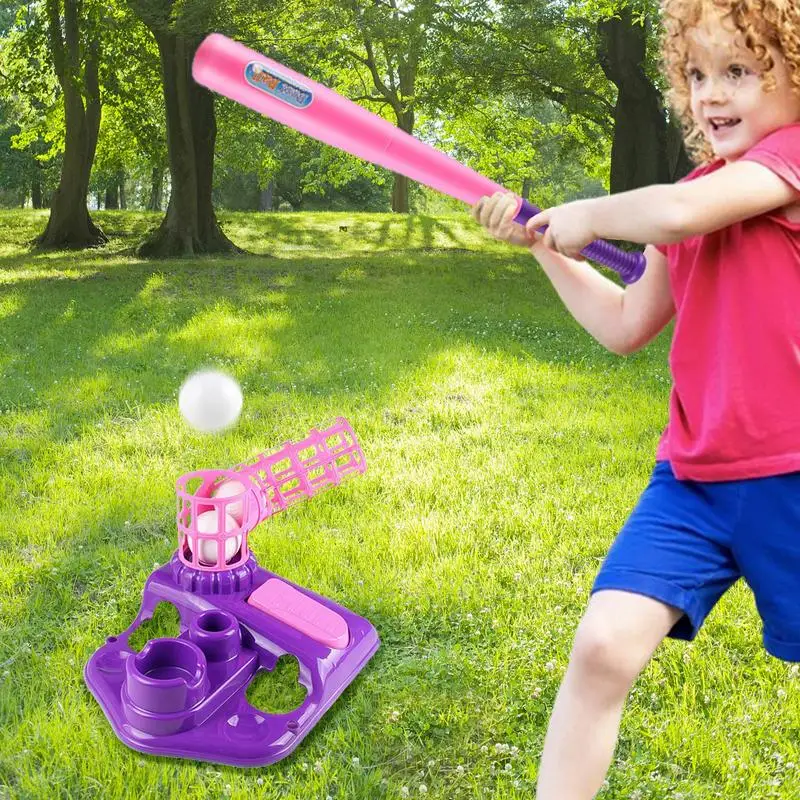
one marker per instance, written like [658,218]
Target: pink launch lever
[318,622]
[258,82]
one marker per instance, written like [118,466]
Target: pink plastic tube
[258,82]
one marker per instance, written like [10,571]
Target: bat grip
[630,266]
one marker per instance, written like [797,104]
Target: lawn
[505,449]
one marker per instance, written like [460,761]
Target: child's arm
[734,193]
[621,319]
[667,213]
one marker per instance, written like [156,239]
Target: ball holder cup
[186,696]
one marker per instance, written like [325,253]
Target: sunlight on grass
[10,304]
[224,330]
[505,449]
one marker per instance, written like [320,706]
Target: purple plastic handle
[630,266]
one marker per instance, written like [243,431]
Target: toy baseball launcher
[250,78]
[185,696]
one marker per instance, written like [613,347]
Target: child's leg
[615,639]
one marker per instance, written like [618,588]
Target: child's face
[728,100]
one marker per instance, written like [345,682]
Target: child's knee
[598,654]
[617,637]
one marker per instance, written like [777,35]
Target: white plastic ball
[210,401]
[229,488]
[207,523]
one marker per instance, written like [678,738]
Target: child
[723,501]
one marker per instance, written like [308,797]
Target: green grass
[505,450]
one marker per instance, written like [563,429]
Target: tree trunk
[265,198]
[156,189]
[400,185]
[112,196]
[190,226]
[400,194]
[678,159]
[640,149]
[70,225]
[36,194]
[115,191]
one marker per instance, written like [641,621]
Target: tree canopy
[555,99]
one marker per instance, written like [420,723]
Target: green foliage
[511,87]
[644,12]
[247,143]
[31,125]
[254,153]
[596,10]
[131,79]
[21,168]
[116,150]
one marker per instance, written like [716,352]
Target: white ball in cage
[210,401]
[229,488]
[207,523]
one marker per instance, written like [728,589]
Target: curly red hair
[761,23]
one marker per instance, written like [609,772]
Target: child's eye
[737,71]
[694,75]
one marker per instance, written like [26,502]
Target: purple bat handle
[630,266]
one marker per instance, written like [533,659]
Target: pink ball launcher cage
[250,78]
[186,696]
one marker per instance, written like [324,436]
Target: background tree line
[555,99]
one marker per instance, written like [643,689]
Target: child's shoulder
[786,135]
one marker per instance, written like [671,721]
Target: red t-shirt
[734,410]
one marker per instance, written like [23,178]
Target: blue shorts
[686,543]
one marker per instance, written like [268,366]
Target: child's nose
[715,90]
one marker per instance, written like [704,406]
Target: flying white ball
[210,401]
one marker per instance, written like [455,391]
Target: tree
[115,159]
[533,149]
[644,147]
[596,60]
[382,54]
[260,163]
[190,226]
[75,51]
[133,135]
[519,100]
[26,171]
[393,40]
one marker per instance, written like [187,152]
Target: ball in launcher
[230,488]
[210,401]
[207,523]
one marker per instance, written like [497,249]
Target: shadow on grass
[365,233]
[154,322]
[274,235]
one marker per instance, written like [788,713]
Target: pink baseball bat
[252,79]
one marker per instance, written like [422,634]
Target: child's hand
[569,227]
[496,214]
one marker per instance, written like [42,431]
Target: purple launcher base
[185,696]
